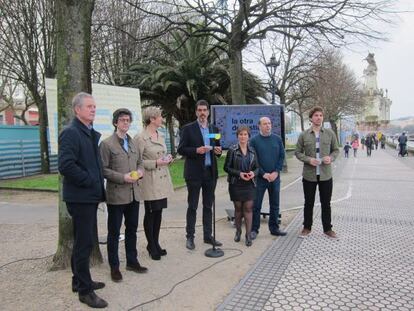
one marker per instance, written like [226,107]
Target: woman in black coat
[242,168]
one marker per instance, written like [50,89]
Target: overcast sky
[395,62]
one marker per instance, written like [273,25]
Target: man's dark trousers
[403,149]
[130,212]
[325,194]
[273,189]
[208,186]
[84,224]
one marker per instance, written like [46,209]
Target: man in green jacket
[317,148]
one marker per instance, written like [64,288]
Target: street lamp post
[272,66]
[271,69]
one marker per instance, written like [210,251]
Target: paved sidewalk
[370,266]
[29,229]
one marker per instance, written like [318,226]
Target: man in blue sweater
[270,154]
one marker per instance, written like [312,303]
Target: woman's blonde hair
[150,112]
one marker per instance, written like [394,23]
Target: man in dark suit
[200,171]
[83,188]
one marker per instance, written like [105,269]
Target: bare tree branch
[330,21]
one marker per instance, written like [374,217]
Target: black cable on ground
[24,259]
[171,227]
[240,252]
[182,227]
[38,258]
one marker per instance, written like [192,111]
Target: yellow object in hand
[134,174]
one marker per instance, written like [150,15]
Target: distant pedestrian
[80,164]
[369,142]
[363,142]
[375,138]
[317,148]
[346,149]
[402,142]
[382,140]
[355,146]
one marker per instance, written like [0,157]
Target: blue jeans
[273,189]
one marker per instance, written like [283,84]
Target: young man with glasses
[122,169]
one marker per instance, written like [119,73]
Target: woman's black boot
[237,236]
[248,240]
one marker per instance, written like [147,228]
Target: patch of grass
[37,182]
[50,181]
[177,171]
[290,147]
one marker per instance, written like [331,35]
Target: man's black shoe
[93,301]
[278,232]
[136,267]
[162,251]
[213,242]
[116,275]
[95,286]
[190,243]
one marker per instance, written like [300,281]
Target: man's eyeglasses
[127,120]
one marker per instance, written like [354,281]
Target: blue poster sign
[229,117]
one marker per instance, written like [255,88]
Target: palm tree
[187,69]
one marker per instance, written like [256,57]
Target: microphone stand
[214,252]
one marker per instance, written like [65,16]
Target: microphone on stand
[214,252]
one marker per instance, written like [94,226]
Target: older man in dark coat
[83,188]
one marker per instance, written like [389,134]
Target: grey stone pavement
[370,266]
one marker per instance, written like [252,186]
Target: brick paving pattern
[370,266]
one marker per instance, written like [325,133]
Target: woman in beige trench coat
[156,186]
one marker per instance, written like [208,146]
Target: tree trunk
[334,128]
[170,128]
[236,77]
[61,260]
[40,101]
[44,145]
[282,98]
[302,123]
[185,113]
[299,113]
[236,45]
[74,18]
